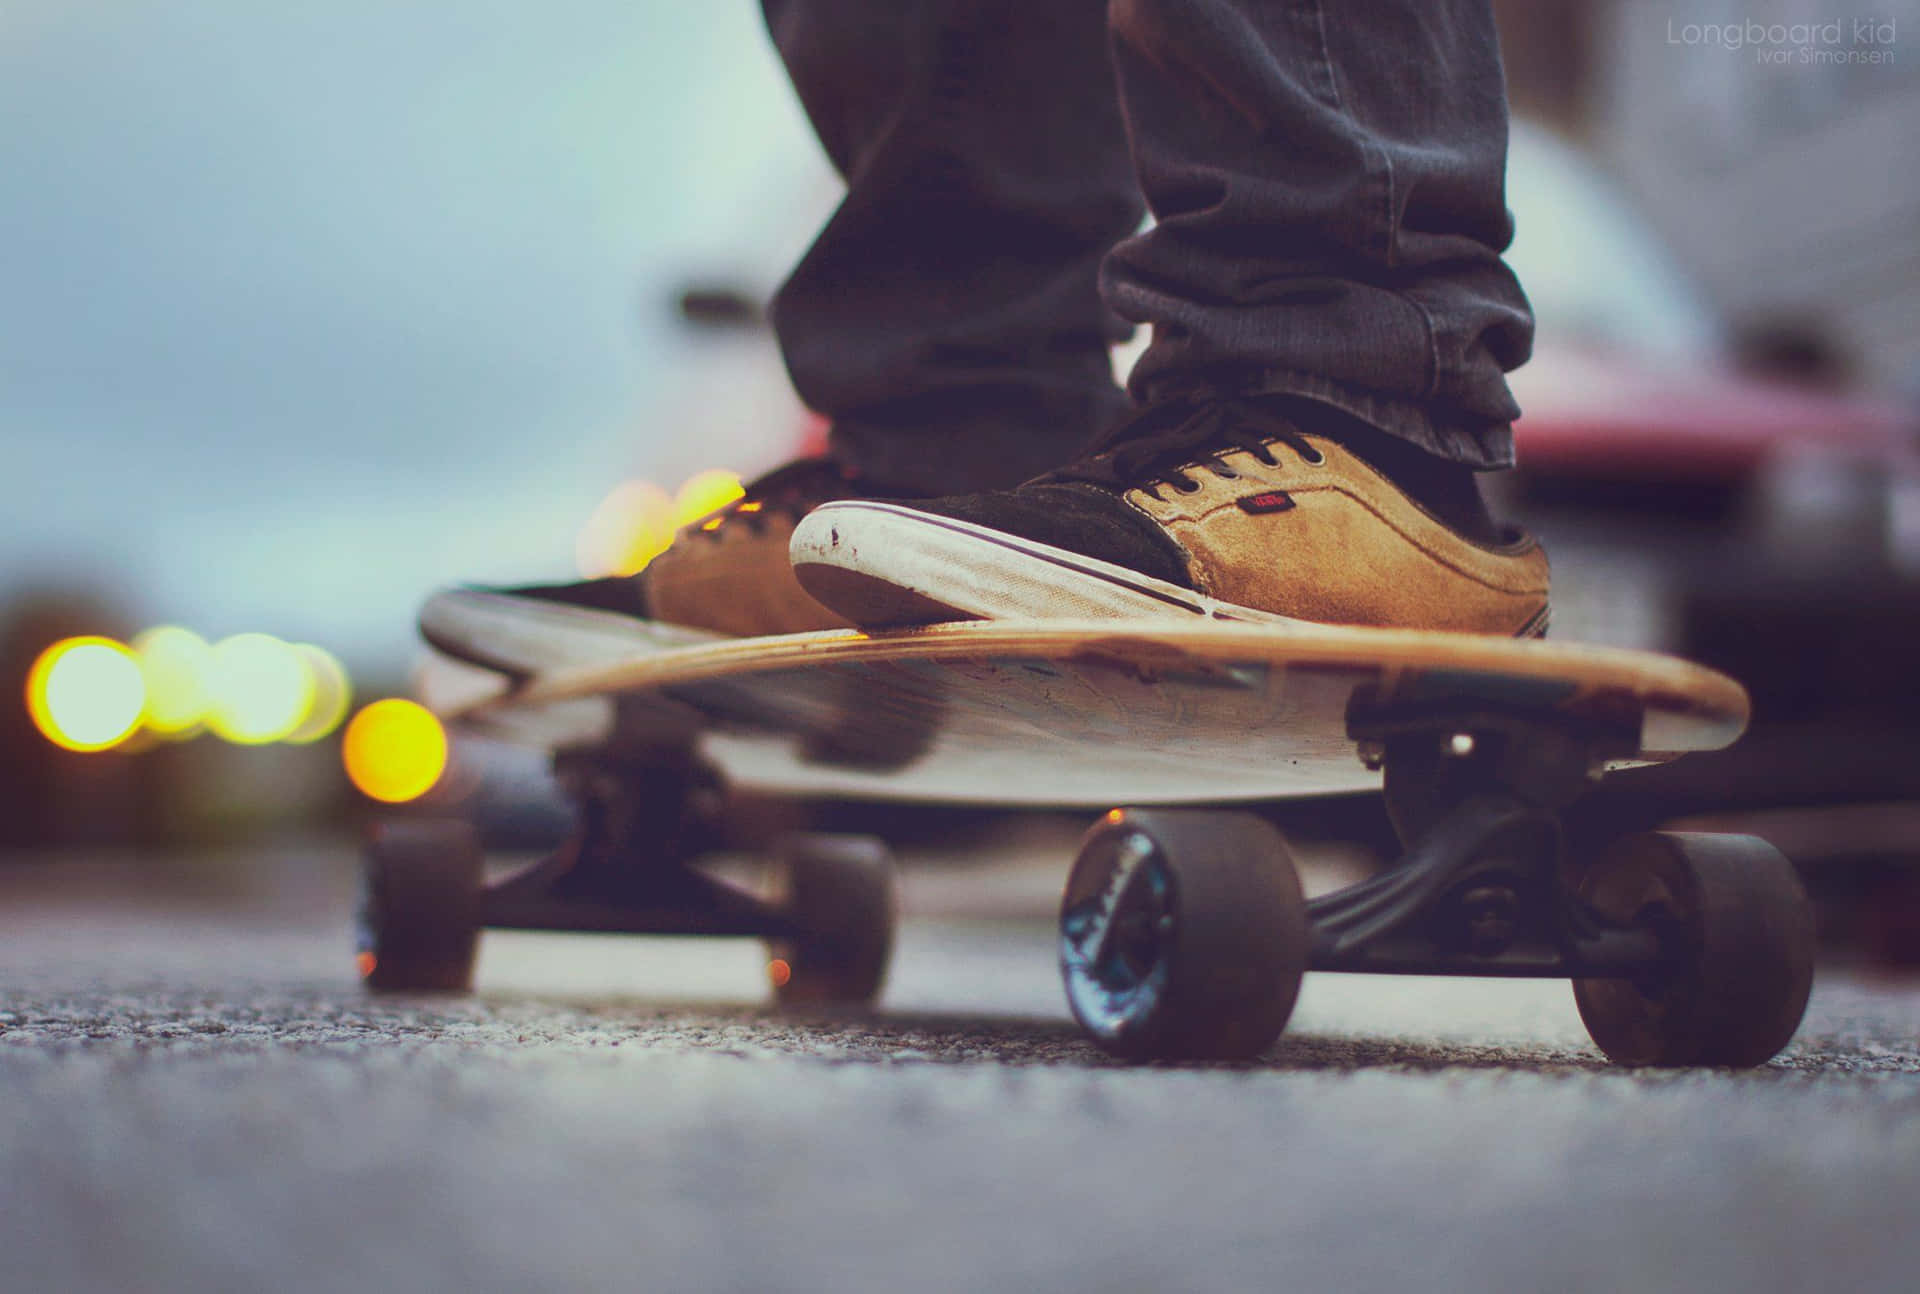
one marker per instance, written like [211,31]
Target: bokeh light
[177,667]
[637,521]
[261,689]
[250,688]
[86,693]
[394,751]
[329,698]
[705,492]
[632,526]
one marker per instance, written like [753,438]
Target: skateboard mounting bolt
[1460,745]
[1492,919]
[1373,754]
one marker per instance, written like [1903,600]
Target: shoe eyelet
[1313,456]
[1187,485]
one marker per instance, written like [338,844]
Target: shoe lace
[1156,446]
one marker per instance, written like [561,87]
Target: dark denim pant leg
[948,319]
[1328,181]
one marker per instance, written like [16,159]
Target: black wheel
[1738,938]
[419,918]
[1183,935]
[839,891]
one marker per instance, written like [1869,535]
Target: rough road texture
[195,1099]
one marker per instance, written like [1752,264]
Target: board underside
[1079,714]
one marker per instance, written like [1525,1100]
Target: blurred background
[309,309]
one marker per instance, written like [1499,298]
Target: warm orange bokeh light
[632,526]
[638,520]
[779,972]
[86,693]
[394,751]
[705,492]
[365,963]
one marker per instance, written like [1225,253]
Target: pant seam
[1431,385]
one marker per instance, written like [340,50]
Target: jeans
[1327,186]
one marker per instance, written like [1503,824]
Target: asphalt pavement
[196,1095]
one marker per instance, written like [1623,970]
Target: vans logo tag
[1266,501]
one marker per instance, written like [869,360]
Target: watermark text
[1837,42]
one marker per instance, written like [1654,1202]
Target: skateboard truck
[1474,795]
[647,816]
[644,816]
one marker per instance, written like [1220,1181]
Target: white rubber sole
[884,564]
[523,636]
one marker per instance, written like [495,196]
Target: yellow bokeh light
[394,751]
[331,695]
[177,666]
[85,693]
[703,493]
[261,689]
[632,526]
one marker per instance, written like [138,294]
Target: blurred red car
[1650,457]
[1768,528]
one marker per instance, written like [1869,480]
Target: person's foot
[725,575]
[1226,510]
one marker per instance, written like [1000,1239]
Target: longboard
[1184,933]
[1079,713]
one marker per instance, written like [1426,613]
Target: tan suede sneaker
[726,575]
[1232,513]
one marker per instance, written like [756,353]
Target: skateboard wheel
[839,892]
[1183,935]
[1738,936]
[419,916]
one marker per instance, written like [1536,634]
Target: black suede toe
[1082,519]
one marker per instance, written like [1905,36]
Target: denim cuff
[1483,445]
